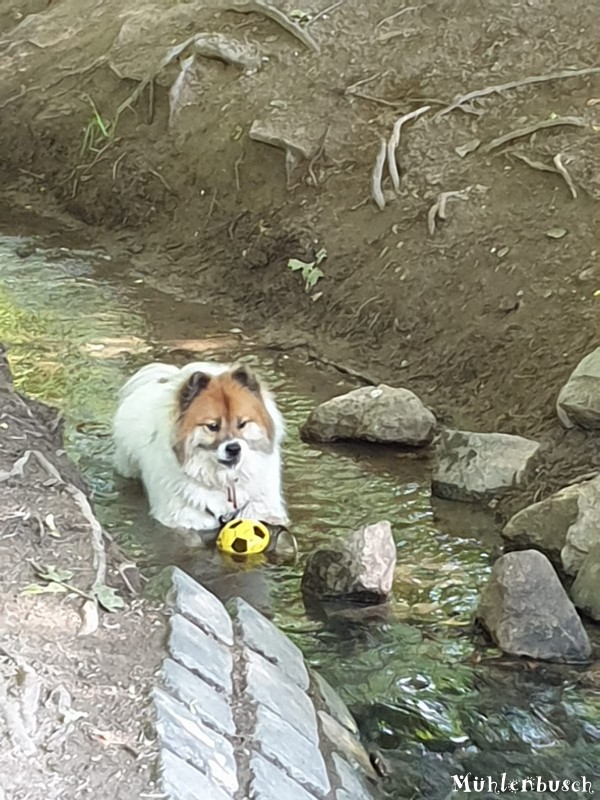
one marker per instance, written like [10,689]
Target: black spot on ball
[239,545]
[259,532]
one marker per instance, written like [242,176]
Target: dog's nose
[233,449]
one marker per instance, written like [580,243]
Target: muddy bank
[74,705]
[484,313]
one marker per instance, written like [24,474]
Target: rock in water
[376,414]
[476,466]
[527,612]
[586,589]
[358,567]
[579,400]
[564,526]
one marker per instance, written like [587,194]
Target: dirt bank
[74,679]
[483,313]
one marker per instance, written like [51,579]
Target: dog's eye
[213,427]
[242,424]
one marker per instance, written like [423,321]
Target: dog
[205,440]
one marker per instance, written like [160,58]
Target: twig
[563,171]
[16,469]
[380,100]
[438,209]
[527,130]
[278,16]
[498,88]
[389,35]
[212,204]
[539,165]
[236,169]
[115,168]
[350,89]
[161,179]
[376,178]
[318,153]
[151,101]
[327,10]
[394,141]
[382,22]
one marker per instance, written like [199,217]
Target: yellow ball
[243,537]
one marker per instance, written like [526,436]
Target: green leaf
[51,573]
[313,277]
[50,588]
[321,255]
[108,598]
[295,264]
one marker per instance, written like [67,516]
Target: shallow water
[411,675]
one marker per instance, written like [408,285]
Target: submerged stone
[357,567]
[528,613]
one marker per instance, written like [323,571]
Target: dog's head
[221,418]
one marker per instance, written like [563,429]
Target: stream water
[432,703]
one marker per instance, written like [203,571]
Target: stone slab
[334,704]
[342,740]
[269,782]
[210,705]
[267,685]
[189,598]
[182,733]
[260,635]
[181,781]
[301,758]
[200,653]
[350,780]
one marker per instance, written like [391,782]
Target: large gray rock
[357,567]
[564,526]
[376,414]
[477,466]
[586,589]
[579,400]
[527,612]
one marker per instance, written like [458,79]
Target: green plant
[97,132]
[311,273]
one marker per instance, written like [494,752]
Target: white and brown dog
[204,440]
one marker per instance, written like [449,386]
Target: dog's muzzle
[231,454]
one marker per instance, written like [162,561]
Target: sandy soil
[74,709]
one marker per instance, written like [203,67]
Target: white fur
[179,496]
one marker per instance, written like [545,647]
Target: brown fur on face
[228,400]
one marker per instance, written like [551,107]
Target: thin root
[327,10]
[377,176]
[527,130]
[438,209]
[394,141]
[498,88]
[278,16]
[560,167]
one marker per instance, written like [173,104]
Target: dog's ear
[246,378]
[196,383]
